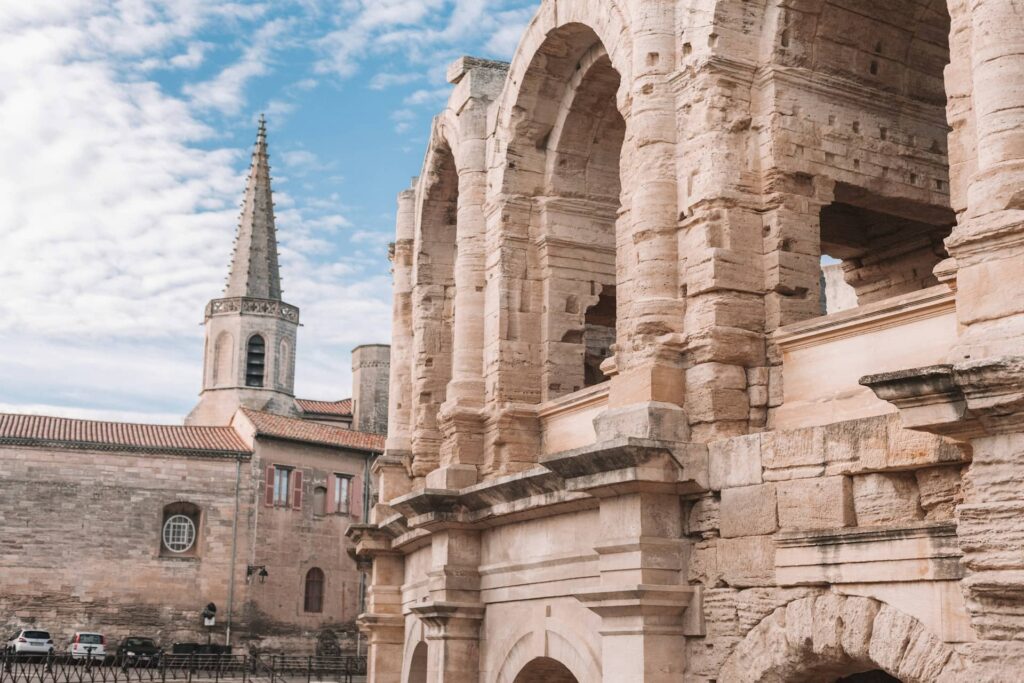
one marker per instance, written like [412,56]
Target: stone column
[997,63]
[650,310]
[400,398]
[987,242]
[460,418]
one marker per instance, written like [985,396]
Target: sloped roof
[294,429]
[342,408]
[63,432]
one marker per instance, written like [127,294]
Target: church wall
[289,542]
[81,544]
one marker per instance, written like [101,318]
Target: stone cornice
[244,305]
[965,400]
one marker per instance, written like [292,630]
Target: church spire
[254,269]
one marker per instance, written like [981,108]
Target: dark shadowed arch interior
[545,670]
[418,665]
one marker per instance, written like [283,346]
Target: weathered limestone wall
[371,371]
[67,513]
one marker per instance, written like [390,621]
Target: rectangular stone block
[749,511]
[882,499]
[797,448]
[747,562]
[735,462]
[817,503]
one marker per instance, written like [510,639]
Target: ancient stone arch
[557,642]
[415,656]
[831,635]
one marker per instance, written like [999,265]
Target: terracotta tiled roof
[295,429]
[62,432]
[342,408]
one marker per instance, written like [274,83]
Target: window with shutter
[342,493]
[268,483]
[297,489]
[356,498]
[282,479]
[255,361]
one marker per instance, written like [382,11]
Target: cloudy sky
[126,131]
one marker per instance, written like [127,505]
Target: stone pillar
[981,402]
[642,598]
[400,397]
[642,594]
[382,621]
[453,614]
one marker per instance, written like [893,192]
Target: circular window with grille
[179,533]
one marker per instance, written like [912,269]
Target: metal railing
[179,667]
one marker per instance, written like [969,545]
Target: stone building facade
[133,529]
[737,487]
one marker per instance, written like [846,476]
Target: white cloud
[226,91]
[383,80]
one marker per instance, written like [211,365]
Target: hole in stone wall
[598,336]
[874,248]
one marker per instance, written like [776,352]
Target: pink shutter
[355,497]
[297,489]
[329,506]
[268,499]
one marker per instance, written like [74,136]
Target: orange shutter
[297,489]
[355,497]
[268,499]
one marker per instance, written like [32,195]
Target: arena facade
[626,441]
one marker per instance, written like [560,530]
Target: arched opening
[418,664]
[223,359]
[284,362]
[564,161]
[545,670]
[255,361]
[875,126]
[314,591]
[433,301]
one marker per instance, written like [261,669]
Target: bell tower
[249,357]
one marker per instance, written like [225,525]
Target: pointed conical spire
[254,268]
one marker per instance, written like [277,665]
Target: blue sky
[127,131]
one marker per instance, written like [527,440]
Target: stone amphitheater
[635,434]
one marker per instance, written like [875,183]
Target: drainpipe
[234,550]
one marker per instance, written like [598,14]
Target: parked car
[88,646]
[135,650]
[30,642]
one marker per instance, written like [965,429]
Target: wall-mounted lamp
[259,570]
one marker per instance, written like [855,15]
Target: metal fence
[184,668]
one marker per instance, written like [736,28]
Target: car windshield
[41,635]
[90,638]
[140,642]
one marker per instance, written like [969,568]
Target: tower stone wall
[371,370]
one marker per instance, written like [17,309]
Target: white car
[85,645]
[30,642]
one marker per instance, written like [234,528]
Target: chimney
[371,370]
